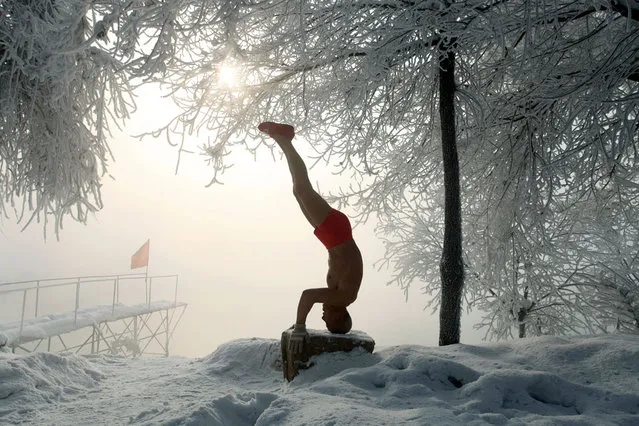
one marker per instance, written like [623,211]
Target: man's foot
[280,132]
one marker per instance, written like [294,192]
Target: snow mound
[3,342]
[534,379]
[38,378]
[609,360]
[255,363]
[244,357]
[513,393]
[237,409]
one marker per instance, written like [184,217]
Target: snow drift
[540,381]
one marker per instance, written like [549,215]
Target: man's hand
[299,336]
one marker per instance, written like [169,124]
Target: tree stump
[321,341]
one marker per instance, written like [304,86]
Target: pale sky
[243,250]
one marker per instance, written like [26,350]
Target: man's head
[337,319]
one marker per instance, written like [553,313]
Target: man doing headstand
[334,230]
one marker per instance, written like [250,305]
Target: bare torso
[345,268]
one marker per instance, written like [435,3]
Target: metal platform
[129,329]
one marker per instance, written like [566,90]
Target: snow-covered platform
[133,322]
[56,324]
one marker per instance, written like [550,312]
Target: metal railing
[37,286]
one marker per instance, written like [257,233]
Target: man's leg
[314,207]
[306,214]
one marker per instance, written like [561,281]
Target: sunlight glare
[227,76]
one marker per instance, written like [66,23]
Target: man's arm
[331,296]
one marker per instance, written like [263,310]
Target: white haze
[243,250]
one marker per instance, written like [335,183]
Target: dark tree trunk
[521,317]
[451,267]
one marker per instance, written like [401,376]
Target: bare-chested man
[334,230]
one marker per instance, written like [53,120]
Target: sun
[227,76]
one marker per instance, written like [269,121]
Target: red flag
[141,257]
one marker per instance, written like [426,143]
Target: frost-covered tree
[617,297]
[67,73]
[610,285]
[570,137]
[54,90]
[381,88]
[560,129]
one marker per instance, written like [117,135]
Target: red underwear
[335,230]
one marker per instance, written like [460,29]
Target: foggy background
[243,250]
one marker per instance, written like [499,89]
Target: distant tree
[611,284]
[617,297]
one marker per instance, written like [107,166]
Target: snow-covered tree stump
[321,341]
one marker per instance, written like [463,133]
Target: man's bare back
[345,267]
[345,272]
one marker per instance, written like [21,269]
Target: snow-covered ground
[539,381]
